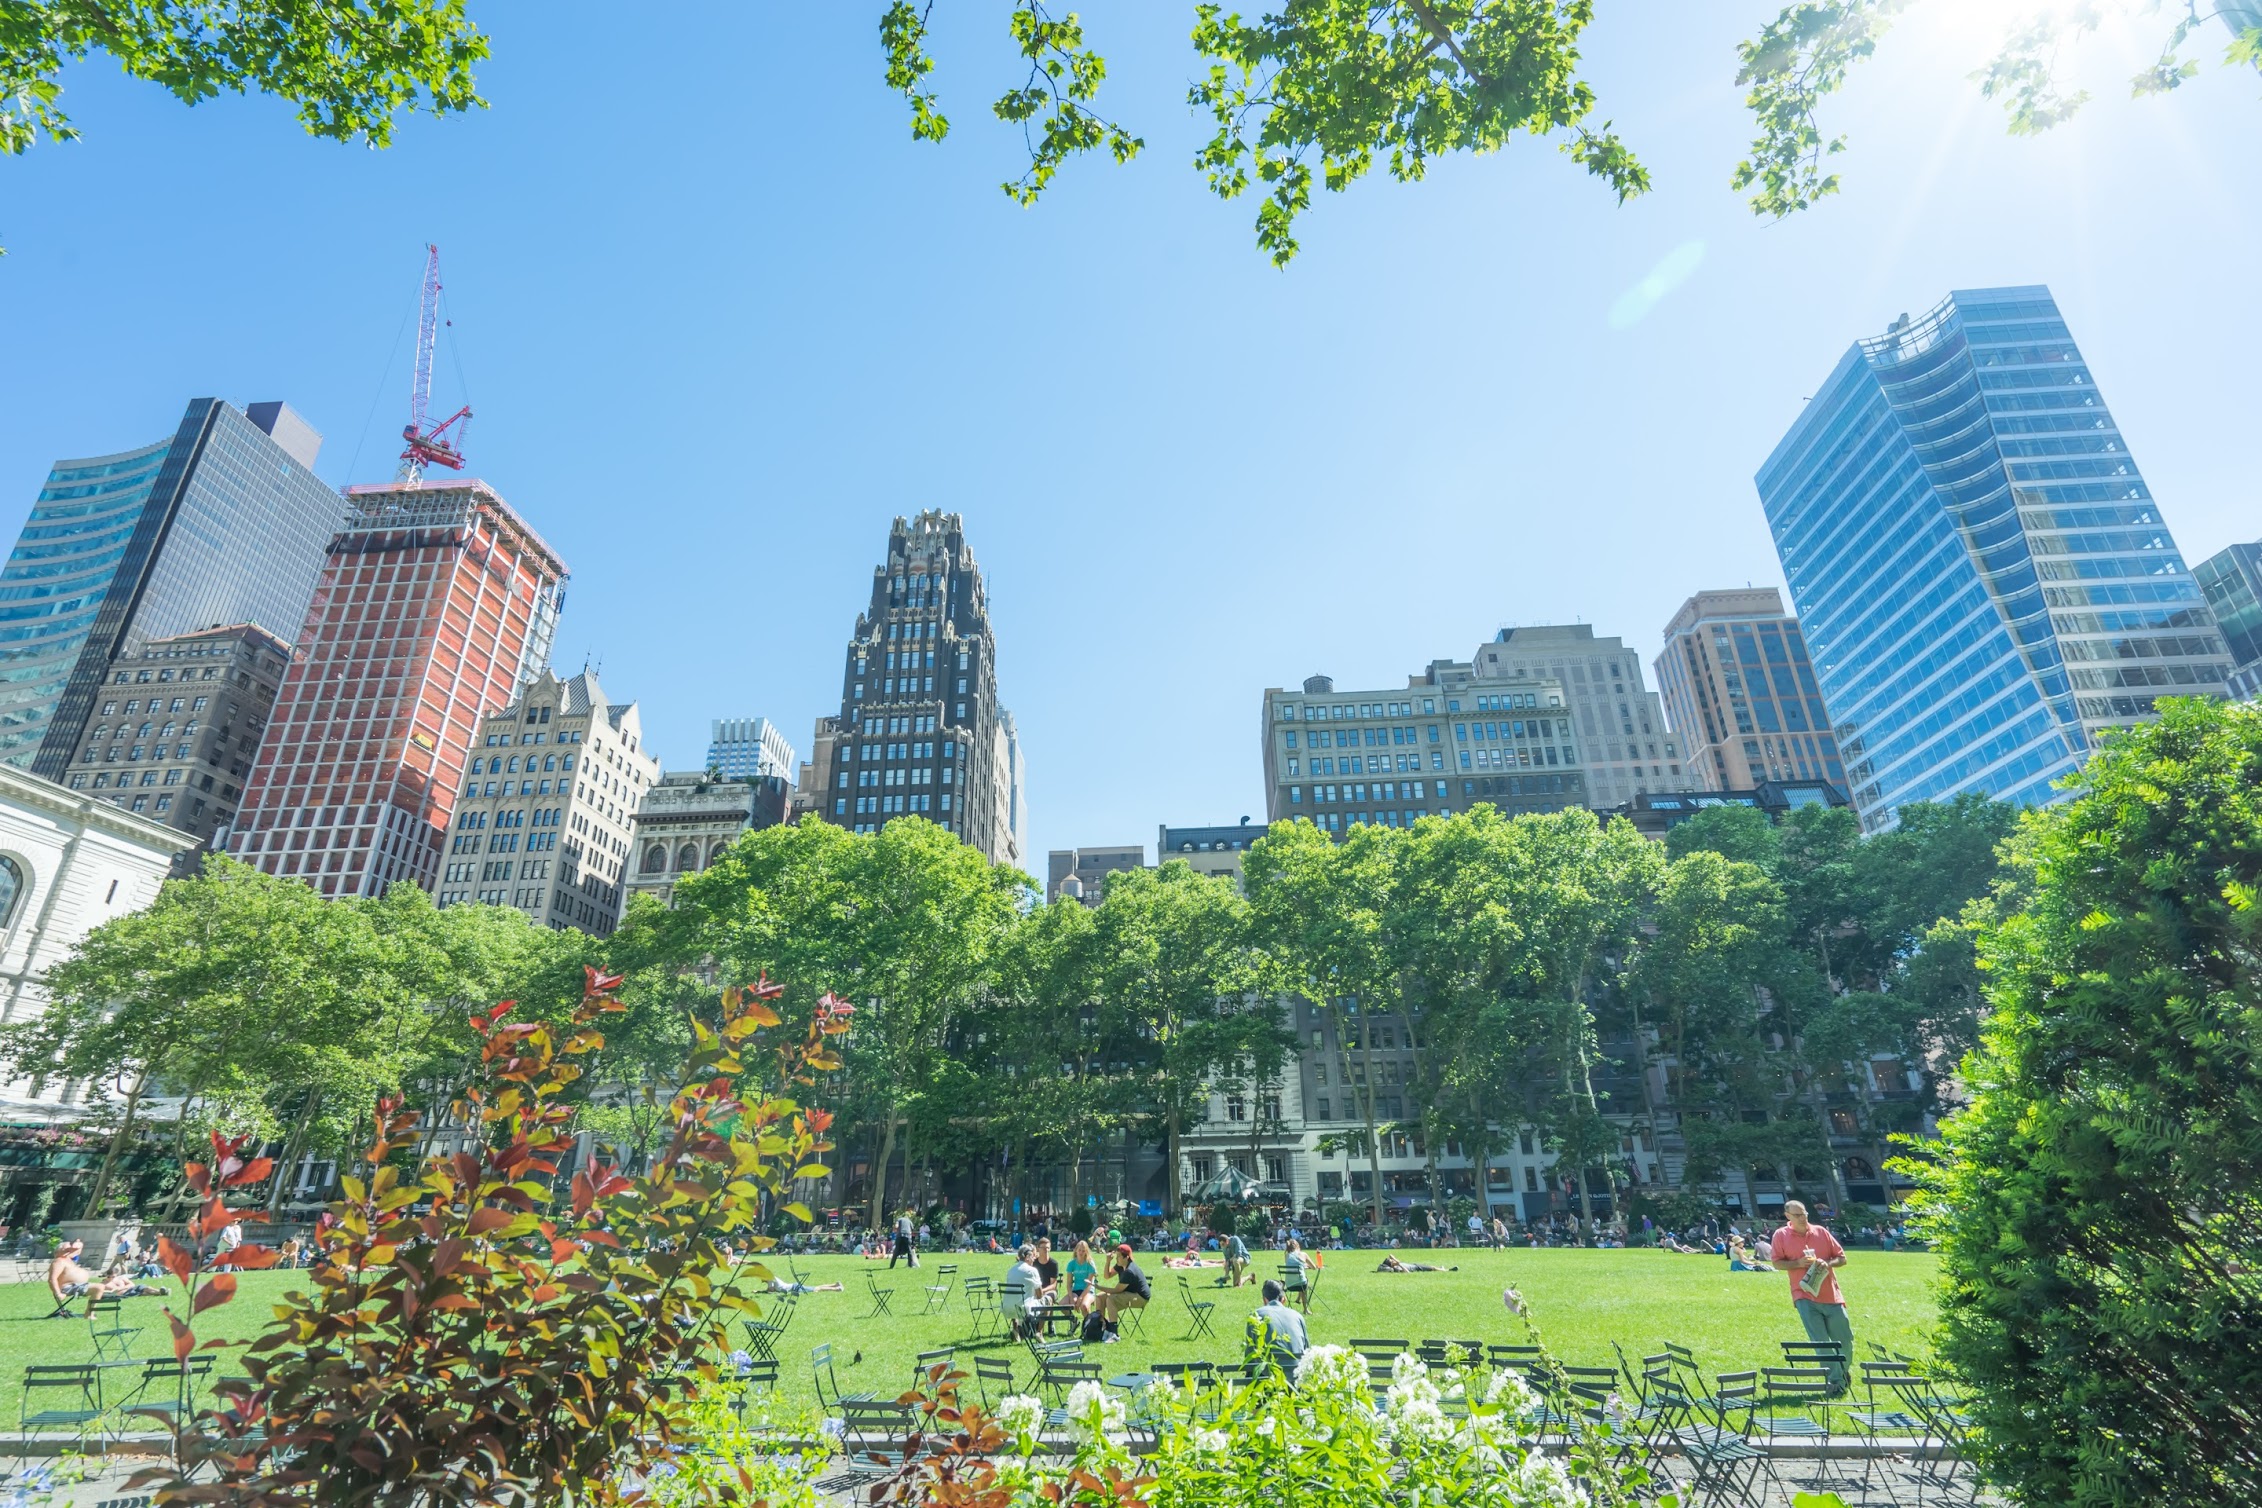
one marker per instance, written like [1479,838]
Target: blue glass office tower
[1985,581]
[225,522]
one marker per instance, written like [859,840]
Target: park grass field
[1582,1300]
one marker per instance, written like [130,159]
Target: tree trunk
[293,1146]
[876,1212]
[118,1142]
[1170,1152]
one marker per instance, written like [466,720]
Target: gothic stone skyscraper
[919,711]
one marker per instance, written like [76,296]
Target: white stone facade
[68,863]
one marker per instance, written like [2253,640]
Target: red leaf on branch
[600,982]
[248,1257]
[178,1259]
[483,1221]
[255,1171]
[764,990]
[217,1290]
[184,1339]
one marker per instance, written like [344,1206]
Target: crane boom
[429,446]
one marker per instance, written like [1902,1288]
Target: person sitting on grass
[1274,1336]
[1391,1263]
[66,1280]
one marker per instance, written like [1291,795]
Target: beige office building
[1627,746]
[544,821]
[1445,742]
[1740,693]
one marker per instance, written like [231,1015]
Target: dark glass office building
[1985,582]
[224,523]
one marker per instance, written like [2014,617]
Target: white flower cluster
[1332,1369]
[1022,1417]
[1095,1416]
[1210,1444]
[1545,1484]
[1508,1390]
[1412,1404]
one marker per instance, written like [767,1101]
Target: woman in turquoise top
[1081,1272]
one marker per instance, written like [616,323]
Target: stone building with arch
[68,863]
[686,821]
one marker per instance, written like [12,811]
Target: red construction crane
[429,447]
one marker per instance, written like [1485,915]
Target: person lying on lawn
[1391,1263]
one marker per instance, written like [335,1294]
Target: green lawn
[1583,1300]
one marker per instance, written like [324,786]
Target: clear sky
[721,320]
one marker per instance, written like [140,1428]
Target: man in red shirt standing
[1811,1255]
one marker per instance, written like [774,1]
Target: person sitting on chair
[1273,1336]
[1019,1307]
[1130,1290]
[66,1280]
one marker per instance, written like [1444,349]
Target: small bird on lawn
[857,1360]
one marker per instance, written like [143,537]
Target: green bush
[2096,1207]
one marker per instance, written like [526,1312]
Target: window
[11,888]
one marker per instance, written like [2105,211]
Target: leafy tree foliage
[260,1006]
[351,66]
[2097,1204]
[1317,90]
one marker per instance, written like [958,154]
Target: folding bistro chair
[1013,1309]
[875,1444]
[106,1324]
[829,1395]
[68,1395]
[881,1298]
[989,1369]
[167,1389]
[1827,1354]
[1879,1424]
[938,1292]
[1060,1370]
[981,1306]
[763,1335]
[1197,1310]
[921,1369]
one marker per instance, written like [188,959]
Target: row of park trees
[1529,964]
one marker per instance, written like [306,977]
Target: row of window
[866,805]
[156,704]
[1377,764]
[143,677]
[1359,738]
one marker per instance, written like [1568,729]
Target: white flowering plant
[1465,1435]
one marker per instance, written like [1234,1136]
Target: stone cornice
[49,796]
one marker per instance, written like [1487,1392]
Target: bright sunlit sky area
[721,319]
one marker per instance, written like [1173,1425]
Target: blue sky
[721,320]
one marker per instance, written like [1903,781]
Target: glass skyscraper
[1984,579]
[224,523]
[749,748]
[2232,581]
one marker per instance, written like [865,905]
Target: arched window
[715,854]
[11,888]
[655,858]
[687,857]
[1859,1170]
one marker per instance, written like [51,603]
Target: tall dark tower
[921,729]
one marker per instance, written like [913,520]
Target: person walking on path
[904,1250]
[1811,1255]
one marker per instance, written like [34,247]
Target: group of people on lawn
[1038,1280]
